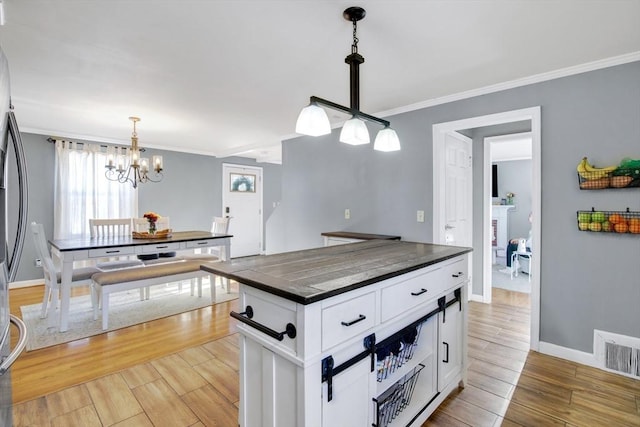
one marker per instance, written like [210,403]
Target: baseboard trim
[568,354]
[26,283]
[476,298]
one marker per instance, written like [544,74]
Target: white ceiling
[229,77]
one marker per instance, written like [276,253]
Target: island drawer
[455,272]
[347,319]
[418,288]
[111,252]
[201,243]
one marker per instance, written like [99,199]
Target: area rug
[125,309]
[504,281]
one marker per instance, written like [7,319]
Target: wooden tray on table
[160,234]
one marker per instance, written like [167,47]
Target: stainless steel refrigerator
[13,187]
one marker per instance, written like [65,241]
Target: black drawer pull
[162,247]
[446,357]
[420,292]
[354,321]
[460,273]
[203,243]
[245,317]
[113,252]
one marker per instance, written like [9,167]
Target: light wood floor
[183,371]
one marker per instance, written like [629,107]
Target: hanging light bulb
[313,121]
[355,132]
[387,140]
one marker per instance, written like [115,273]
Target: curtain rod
[53,140]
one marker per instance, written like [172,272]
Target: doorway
[482,238]
[242,202]
[510,159]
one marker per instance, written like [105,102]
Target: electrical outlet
[420,216]
[38,262]
[347,214]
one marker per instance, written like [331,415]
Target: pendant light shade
[313,121]
[387,140]
[355,132]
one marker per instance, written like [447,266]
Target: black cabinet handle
[162,247]
[420,292]
[117,251]
[446,357]
[245,317]
[354,321]
[460,273]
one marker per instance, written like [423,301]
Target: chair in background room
[105,228]
[79,276]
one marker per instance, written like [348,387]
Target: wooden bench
[107,282]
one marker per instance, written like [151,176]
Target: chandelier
[130,167]
[313,120]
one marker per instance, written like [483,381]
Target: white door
[457,190]
[242,201]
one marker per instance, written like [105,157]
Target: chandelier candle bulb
[157,163]
[144,165]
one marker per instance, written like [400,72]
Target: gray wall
[588,280]
[190,192]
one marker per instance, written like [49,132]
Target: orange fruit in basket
[621,227]
[616,219]
[634,225]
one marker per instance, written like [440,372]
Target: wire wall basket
[396,398]
[622,222]
[392,354]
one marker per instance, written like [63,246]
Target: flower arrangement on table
[152,218]
[510,197]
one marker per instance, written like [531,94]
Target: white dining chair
[106,228]
[79,276]
[219,225]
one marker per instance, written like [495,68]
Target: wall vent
[617,353]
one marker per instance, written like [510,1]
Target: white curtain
[82,191]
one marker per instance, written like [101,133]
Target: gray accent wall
[515,176]
[190,192]
[588,280]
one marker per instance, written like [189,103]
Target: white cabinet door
[350,404]
[450,345]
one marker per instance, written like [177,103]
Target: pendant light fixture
[313,120]
[131,168]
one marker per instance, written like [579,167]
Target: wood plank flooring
[183,371]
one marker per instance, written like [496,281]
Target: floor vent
[617,353]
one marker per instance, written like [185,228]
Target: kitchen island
[370,333]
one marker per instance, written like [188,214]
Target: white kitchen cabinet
[327,372]
[450,345]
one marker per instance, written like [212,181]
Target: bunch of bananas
[587,171]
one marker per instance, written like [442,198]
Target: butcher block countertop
[312,275]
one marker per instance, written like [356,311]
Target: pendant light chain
[354,46]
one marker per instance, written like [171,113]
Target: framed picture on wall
[242,183]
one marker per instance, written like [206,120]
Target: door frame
[439,130]
[259,189]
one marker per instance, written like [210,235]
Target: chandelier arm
[352,111]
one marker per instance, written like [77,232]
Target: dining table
[77,249]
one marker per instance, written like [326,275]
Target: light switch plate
[347,214]
[420,216]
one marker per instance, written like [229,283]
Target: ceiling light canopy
[313,120]
[131,168]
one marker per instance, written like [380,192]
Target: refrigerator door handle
[12,262]
[22,342]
